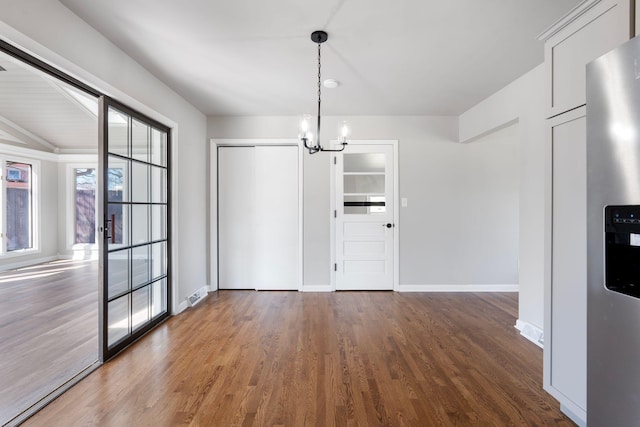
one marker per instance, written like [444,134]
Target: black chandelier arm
[312,149]
[344,145]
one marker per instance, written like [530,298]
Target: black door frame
[104,351]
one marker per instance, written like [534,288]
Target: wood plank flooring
[244,358]
[48,330]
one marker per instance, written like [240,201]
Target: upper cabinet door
[577,40]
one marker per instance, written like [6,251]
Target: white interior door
[258,218]
[365,227]
[236,225]
[276,245]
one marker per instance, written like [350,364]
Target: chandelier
[306,135]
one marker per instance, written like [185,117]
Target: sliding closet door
[276,237]
[258,218]
[236,212]
[135,209]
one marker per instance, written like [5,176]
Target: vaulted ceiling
[40,112]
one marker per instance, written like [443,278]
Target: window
[85,205]
[18,207]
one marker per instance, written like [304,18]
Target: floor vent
[530,332]
[195,298]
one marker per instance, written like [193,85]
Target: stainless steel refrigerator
[613,238]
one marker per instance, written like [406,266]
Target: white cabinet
[593,31]
[566,292]
[589,31]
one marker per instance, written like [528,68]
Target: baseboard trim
[458,288]
[316,288]
[197,296]
[30,262]
[577,415]
[181,307]
[530,332]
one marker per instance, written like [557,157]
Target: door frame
[104,103]
[396,210]
[213,198]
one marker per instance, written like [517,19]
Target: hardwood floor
[48,330]
[243,358]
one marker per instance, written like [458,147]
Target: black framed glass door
[135,207]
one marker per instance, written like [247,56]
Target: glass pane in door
[364,183]
[118,315]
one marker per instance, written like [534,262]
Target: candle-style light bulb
[344,132]
[305,122]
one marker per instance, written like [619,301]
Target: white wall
[460,226]
[50,31]
[521,101]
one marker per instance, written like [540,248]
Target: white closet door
[277,231]
[258,218]
[236,213]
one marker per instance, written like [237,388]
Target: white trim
[181,307]
[213,199]
[332,221]
[300,215]
[173,206]
[213,215]
[530,332]
[29,262]
[577,414]
[396,216]
[396,209]
[28,152]
[36,206]
[567,19]
[63,156]
[458,288]
[317,288]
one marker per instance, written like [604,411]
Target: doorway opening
[48,249]
[54,292]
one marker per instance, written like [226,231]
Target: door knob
[388,225]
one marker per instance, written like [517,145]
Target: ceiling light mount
[331,83]
[319,37]
[305,135]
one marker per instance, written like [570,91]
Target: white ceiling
[392,57]
[40,112]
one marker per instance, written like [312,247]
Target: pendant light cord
[319,95]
